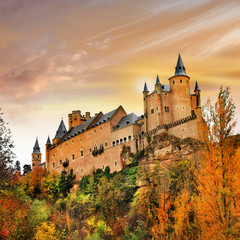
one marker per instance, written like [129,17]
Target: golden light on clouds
[94,55]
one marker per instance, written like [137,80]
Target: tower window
[73,157]
[94,130]
[103,167]
[115,163]
[180,80]
[152,111]
[166,109]
[100,128]
[82,170]
[173,82]
[53,165]
[33,164]
[60,162]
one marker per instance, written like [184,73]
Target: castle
[97,141]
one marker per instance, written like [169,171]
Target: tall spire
[197,87]
[145,88]
[157,80]
[36,148]
[61,130]
[48,141]
[180,69]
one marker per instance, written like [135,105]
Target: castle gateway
[97,141]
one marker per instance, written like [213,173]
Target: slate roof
[106,117]
[157,80]
[126,120]
[61,130]
[36,148]
[164,88]
[79,129]
[145,88]
[197,87]
[48,141]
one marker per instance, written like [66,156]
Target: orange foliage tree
[217,204]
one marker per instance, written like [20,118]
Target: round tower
[36,155]
[180,92]
[145,94]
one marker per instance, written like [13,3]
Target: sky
[94,55]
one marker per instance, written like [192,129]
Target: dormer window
[127,122]
[162,87]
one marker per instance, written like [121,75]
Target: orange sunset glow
[94,55]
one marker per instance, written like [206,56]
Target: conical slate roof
[197,87]
[145,88]
[36,148]
[180,69]
[61,130]
[157,80]
[48,141]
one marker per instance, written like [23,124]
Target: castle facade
[97,141]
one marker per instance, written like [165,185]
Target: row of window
[103,167]
[121,141]
[166,109]
[180,81]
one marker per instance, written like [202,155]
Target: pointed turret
[36,148]
[48,141]
[158,86]
[36,155]
[157,81]
[145,88]
[196,87]
[61,130]
[180,69]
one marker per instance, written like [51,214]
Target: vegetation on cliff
[174,189]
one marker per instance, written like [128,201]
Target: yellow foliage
[47,231]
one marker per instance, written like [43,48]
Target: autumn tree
[217,205]
[6,153]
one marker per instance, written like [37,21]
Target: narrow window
[81,153]
[115,163]
[33,164]
[125,139]
[165,109]
[152,111]
[80,139]
[53,165]
[180,80]
[94,130]
[82,170]
[72,141]
[73,157]
[117,142]
[100,128]
[90,150]
[103,167]
[113,143]
[173,82]
[105,144]
[129,138]
[60,162]
[121,141]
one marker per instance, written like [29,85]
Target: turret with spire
[197,92]
[158,85]
[36,155]
[145,94]
[60,132]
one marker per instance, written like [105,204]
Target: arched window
[129,138]
[73,157]
[113,143]
[60,162]
[121,141]
[81,153]
[115,163]
[33,164]
[53,165]
[117,142]
[125,139]
[95,147]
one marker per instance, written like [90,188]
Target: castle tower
[158,86]
[180,92]
[145,94]
[48,145]
[60,132]
[197,92]
[36,155]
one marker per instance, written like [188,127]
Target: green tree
[66,182]
[6,153]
